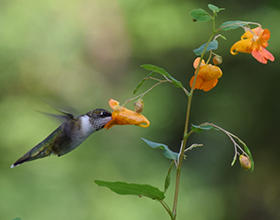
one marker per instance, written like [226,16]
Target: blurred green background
[78,54]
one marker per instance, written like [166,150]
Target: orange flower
[124,116]
[207,77]
[254,41]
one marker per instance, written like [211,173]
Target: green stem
[144,93]
[185,136]
[166,207]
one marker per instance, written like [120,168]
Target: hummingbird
[69,135]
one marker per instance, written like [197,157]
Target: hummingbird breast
[86,128]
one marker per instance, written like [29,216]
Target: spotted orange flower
[207,77]
[124,116]
[254,41]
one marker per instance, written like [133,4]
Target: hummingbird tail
[19,162]
[33,154]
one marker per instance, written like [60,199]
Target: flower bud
[217,60]
[139,105]
[245,162]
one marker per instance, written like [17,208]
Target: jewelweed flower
[207,77]
[124,116]
[254,41]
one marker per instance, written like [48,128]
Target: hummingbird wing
[66,115]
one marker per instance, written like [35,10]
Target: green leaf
[168,178]
[166,151]
[138,86]
[18,218]
[214,8]
[213,45]
[229,25]
[198,129]
[141,82]
[123,188]
[234,159]
[200,15]
[251,157]
[163,73]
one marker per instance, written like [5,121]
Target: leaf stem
[166,208]
[160,81]
[144,93]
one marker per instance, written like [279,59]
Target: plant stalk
[185,136]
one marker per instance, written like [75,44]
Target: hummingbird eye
[105,114]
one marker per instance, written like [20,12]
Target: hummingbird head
[99,118]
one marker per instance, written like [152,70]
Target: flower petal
[252,33]
[128,117]
[198,83]
[196,62]
[262,55]
[258,31]
[243,46]
[110,124]
[267,54]
[266,34]
[210,72]
[113,103]
[259,56]
[206,86]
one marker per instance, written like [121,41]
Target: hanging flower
[124,116]
[254,41]
[207,77]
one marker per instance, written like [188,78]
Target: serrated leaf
[163,73]
[198,129]
[213,45]
[200,15]
[166,151]
[168,178]
[251,157]
[123,188]
[214,8]
[229,25]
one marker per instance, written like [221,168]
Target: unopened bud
[245,162]
[217,60]
[139,105]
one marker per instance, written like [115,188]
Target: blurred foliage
[79,54]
